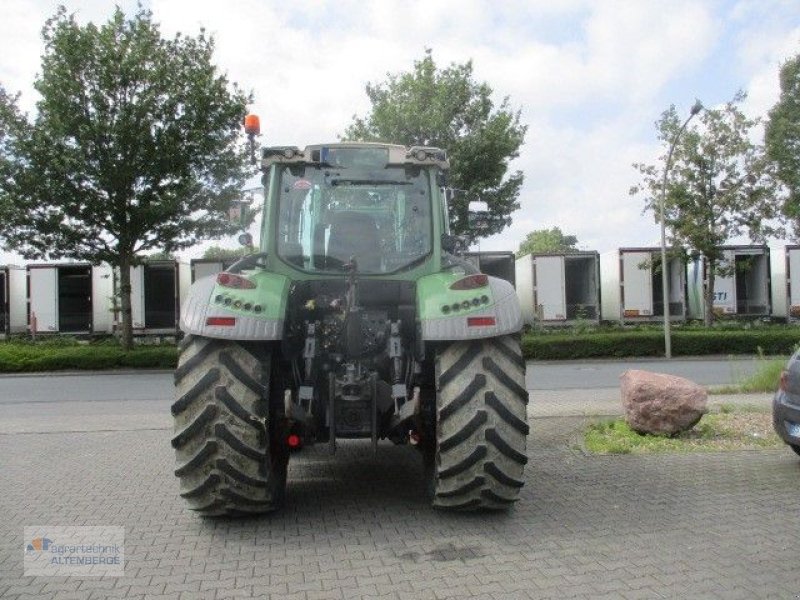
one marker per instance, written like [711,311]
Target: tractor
[356,318]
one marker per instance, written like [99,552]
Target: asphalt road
[128,389]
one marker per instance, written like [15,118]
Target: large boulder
[661,404]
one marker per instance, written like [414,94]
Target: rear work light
[471,282]
[221,321]
[237,282]
[481,322]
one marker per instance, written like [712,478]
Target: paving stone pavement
[720,525]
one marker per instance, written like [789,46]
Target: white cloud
[589,77]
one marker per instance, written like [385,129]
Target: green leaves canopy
[548,241]
[720,184]
[783,138]
[135,144]
[446,108]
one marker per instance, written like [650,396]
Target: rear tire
[796,448]
[481,425]
[226,462]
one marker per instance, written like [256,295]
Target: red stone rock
[660,403]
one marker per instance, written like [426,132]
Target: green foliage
[448,109]
[548,241]
[783,138]
[720,184]
[765,379]
[714,432]
[690,342]
[160,255]
[67,354]
[218,253]
[135,146]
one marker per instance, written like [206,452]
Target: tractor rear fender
[256,314]
[483,312]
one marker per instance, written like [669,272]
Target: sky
[589,77]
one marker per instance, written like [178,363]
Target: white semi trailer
[559,289]
[744,290]
[13,303]
[69,298]
[791,290]
[155,299]
[633,287]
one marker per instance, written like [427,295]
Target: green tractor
[355,319]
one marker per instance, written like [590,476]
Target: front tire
[481,425]
[228,461]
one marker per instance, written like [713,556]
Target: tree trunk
[125,301]
[708,293]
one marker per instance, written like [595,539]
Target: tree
[548,241]
[783,138]
[448,109]
[720,185]
[135,146]
[218,253]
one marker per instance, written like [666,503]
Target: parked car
[786,404]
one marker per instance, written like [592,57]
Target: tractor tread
[477,454]
[225,462]
[480,453]
[208,484]
[226,435]
[465,432]
[222,394]
[194,361]
[502,411]
[464,489]
[462,363]
[199,423]
[182,403]
[504,447]
[492,469]
[198,459]
[239,373]
[464,397]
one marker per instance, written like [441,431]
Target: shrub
[685,342]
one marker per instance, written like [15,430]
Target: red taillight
[481,321]
[221,321]
[784,384]
[293,440]
[236,282]
[471,282]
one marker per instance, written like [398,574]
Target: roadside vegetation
[731,428]
[765,378]
[67,354]
[724,338]
[20,354]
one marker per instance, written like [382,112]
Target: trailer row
[626,286]
[81,298]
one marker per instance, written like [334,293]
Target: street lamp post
[698,106]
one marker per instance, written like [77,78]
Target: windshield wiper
[335,182]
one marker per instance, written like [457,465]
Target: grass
[765,378]
[730,429]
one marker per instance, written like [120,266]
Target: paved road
[591,374]
[156,386]
[357,525]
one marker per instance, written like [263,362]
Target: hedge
[15,358]
[695,342]
[68,354]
